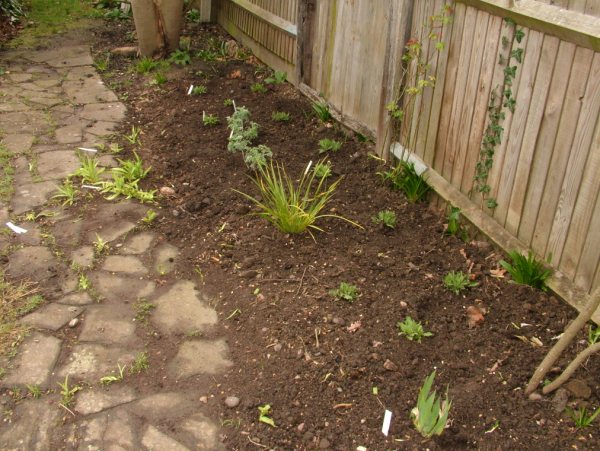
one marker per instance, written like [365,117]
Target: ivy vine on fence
[501,99]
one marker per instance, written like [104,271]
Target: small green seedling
[323,169]
[159,79]
[277,78]
[412,330]
[107,380]
[134,136]
[100,245]
[430,415]
[329,145]
[280,116]
[145,65]
[199,90]
[115,148]
[67,393]
[131,170]
[593,335]
[83,283]
[386,217]
[258,88]
[89,171]
[101,65]
[143,310]
[345,291]
[582,417]
[180,57]
[457,281]
[453,225]
[34,390]
[321,110]
[193,15]
[140,363]
[527,270]
[404,177]
[228,102]
[263,415]
[150,217]
[66,192]
[234,313]
[209,120]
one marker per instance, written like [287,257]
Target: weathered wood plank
[268,16]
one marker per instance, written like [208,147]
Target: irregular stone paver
[204,432]
[124,264]
[164,258]
[32,195]
[181,311]
[107,324]
[116,287]
[57,165]
[97,400]
[35,263]
[154,440]
[67,233]
[101,128]
[32,423]
[18,143]
[138,244]
[110,232]
[162,405]
[107,112]
[52,316]
[90,362]
[34,362]
[108,431]
[80,298]
[78,55]
[199,357]
[83,256]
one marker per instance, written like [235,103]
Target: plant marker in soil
[387,420]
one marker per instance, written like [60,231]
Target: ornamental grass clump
[430,415]
[292,207]
[527,270]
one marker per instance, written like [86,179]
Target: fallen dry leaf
[353,327]
[235,74]
[474,316]
[464,254]
[498,273]
[390,366]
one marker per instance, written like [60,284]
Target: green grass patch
[7,174]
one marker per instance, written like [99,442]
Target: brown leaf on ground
[235,74]
[353,327]
[474,316]
[498,273]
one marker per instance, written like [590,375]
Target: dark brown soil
[316,360]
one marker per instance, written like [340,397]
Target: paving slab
[34,361]
[162,405]
[107,112]
[78,55]
[58,164]
[111,324]
[32,195]
[89,362]
[79,298]
[101,128]
[18,143]
[52,316]
[88,90]
[68,233]
[154,440]
[165,258]
[99,399]
[120,288]
[204,432]
[138,244]
[182,310]
[199,357]
[83,256]
[109,231]
[69,134]
[34,263]
[32,423]
[125,264]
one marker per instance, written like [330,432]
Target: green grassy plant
[278,77]
[258,88]
[66,192]
[132,170]
[7,174]
[141,363]
[149,217]
[412,330]
[83,283]
[582,417]
[67,392]
[263,415]
[323,169]
[118,377]
[280,116]
[321,110]
[386,217]
[159,79]
[181,57]
[527,270]
[329,145]
[593,334]
[228,102]
[145,65]
[100,245]
[199,90]
[404,177]
[430,415]
[193,16]
[345,291]
[134,136]
[292,207]
[209,120]
[34,390]
[89,171]
[143,309]
[457,281]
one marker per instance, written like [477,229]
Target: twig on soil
[67,409]
[317,332]
[301,281]
[342,405]
[256,443]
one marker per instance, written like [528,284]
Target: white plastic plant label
[387,420]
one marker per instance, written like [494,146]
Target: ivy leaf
[519,35]
[517,54]
[439,46]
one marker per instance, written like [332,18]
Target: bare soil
[329,368]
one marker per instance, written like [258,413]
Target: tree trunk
[158,25]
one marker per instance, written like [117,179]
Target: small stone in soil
[324,443]
[300,427]
[232,401]
[73,323]
[390,366]
[560,400]
[277,347]
[535,397]
[203,399]
[338,321]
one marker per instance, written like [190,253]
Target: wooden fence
[545,175]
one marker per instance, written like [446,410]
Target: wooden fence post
[306,12]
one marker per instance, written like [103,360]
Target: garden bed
[329,368]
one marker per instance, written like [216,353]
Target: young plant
[131,170]
[140,363]
[199,90]
[593,335]
[386,217]
[115,148]
[228,102]
[345,291]
[150,217]
[67,393]
[145,65]
[209,120]
[280,116]
[66,192]
[134,136]
[292,207]
[277,78]
[329,145]
[159,79]
[453,224]
[413,330]
[321,110]
[100,246]
[430,415]
[101,65]
[34,390]
[323,169]
[582,417]
[193,16]
[404,177]
[107,380]
[258,88]
[457,281]
[263,415]
[257,157]
[83,283]
[89,171]
[143,310]
[181,57]
[527,270]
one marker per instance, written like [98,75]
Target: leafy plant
[131,170]
[323,169]
[128,189]
[34,390]
[115,148]
[292,207]
[258,88]
[180,57]
[277,78]
[67,192]
[107,380]
[593,335]
[386,217]
[228,102]
[453,224]
[149,217]
[413,330]
[134,136]
[329,145]
[404,177]
[143,310]
[145,65]
[321,110]
[67,393]
[89,171]
[193,15]
[209,120]
[159,79]
[101,65]
[457,281]
[257,157]
[430,415]
[243,132]
[345,291]
[140,363]
[582,417]
[280,116]
[83,283]
[100,246]
[199,90]
[527,270]
[207,55]
[263,415]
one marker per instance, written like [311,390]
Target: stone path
[53,102]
